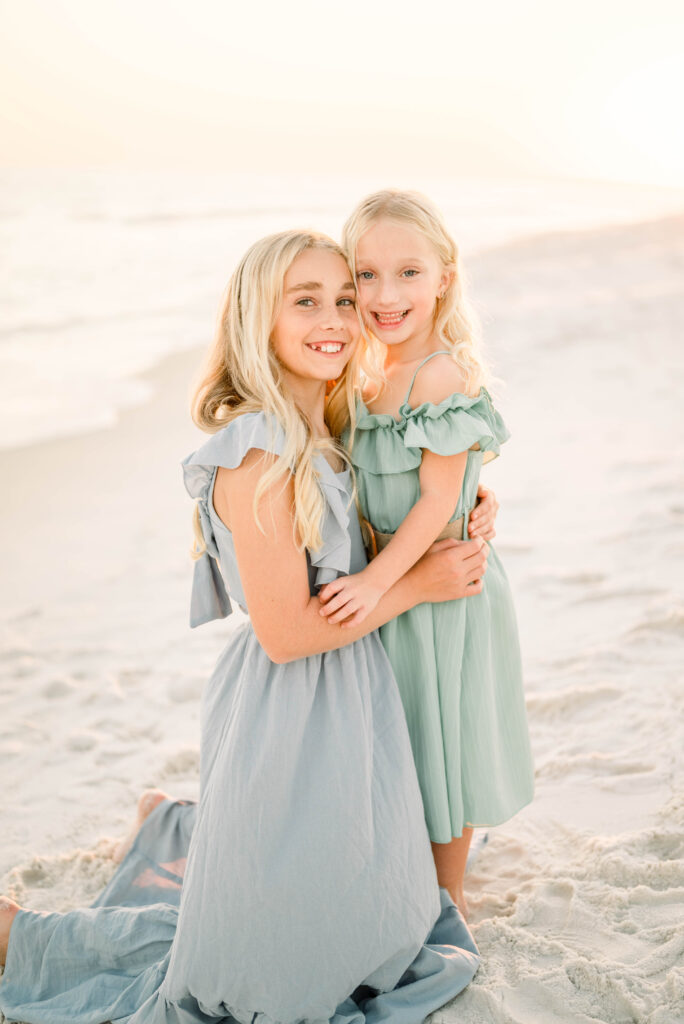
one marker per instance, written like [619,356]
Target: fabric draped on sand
[301,887]
[457,663]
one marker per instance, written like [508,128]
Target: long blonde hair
[455,319]
[242,374]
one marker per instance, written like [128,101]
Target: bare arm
[274,573]
[441,479]
[353,597]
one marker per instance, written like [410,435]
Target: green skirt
[459,673]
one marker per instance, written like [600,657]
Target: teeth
[390,318]
[331,346]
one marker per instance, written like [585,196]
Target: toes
[150,799]
[8,911]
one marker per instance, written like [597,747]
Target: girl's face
[317,328]
[398,278]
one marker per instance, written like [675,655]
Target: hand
[484,514]
[451,569]
[349,599]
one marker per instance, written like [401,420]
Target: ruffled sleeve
[333,557]
[378,445]
[227,448]
[455,425]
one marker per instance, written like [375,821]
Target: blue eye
[410,273]
[365,275]
[346,302]
[304,302]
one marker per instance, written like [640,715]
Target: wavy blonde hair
[455,320]
[242,374]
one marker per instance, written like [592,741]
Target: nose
[387,293]
[332,318]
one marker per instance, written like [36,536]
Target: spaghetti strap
[442,352]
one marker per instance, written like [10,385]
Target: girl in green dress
[423,428]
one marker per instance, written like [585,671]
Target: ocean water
[105,273]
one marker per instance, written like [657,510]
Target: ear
[445,281]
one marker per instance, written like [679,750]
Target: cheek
[354,328]
[363,300]
[283,345]
[428,298]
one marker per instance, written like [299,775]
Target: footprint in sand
[58,688]
[183,762]
[82,741]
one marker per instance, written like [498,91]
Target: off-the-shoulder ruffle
[228,448]
[383,444]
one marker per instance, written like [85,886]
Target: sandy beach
[577,904]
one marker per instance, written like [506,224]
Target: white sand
[578,903]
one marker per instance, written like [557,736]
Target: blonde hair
[242,374]
[455,320]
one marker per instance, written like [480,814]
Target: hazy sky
[591,88]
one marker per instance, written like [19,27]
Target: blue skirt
[301,888]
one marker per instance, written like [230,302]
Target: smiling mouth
[328,348]
[390,319]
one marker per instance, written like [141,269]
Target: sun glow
[644,111]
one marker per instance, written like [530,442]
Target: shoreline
[44,473]
[124,392]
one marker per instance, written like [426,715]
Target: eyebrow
[410,260]
[309,286]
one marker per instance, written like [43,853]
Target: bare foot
[150,799]
[459,899]
[8,911]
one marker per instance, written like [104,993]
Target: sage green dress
[457,663]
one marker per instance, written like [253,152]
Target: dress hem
[489,824]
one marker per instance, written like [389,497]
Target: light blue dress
[301,888]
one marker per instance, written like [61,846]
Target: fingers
[354,620]
[483,515]
[474,573]
[486,496]
[468,557]
[476,564]
[345,612]
[469,546]
[484,529]
[330,589]
[335,603]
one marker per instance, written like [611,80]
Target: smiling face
[399,277]
[317,328]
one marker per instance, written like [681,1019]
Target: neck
[414,348]
[309,397]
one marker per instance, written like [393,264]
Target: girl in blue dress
[301,887]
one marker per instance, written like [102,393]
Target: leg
[146,804]
[450,861]
[8,911]
[8,908]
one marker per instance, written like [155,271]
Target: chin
[393,339]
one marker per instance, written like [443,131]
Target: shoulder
[369,391]
[229,446]
[252,434]
[439,378]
